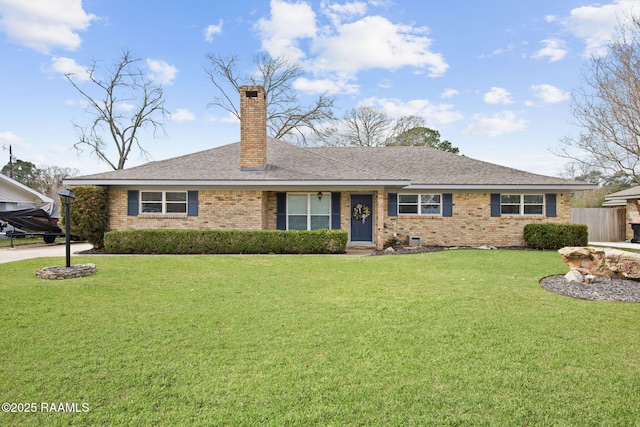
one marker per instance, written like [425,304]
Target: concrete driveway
[39,251]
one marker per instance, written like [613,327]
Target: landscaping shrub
[555,236]
[226,242]
[89,213]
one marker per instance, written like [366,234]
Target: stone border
[60,273]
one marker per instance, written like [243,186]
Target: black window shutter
[335,211]
[447,204]
[132,203]
[281,211]
[495,204]
[551,205]
[192,203]
[393,204]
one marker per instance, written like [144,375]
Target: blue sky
[494,77]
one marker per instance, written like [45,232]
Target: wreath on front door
[361,212]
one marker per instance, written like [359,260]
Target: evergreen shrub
[171,241]
[89,214]
[555,236]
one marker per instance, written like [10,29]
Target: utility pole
[10,160]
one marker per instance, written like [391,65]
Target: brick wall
[231,210]
[471,224]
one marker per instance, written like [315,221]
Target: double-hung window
[308,211]
[521,204]
[419,204]
[163,202]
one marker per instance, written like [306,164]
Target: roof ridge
[333,159]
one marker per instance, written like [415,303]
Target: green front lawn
[463,337]
[20,241]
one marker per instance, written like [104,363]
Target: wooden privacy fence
[605,224]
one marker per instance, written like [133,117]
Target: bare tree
[286,118]
[50,179]
[608,109]
[366,126]
[121,105]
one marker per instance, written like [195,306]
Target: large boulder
[606,262]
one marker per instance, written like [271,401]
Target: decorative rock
[58,273]
[606,262]
[390,250]
[574,276]
[590,278]
[487,248]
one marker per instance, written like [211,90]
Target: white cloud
[43,25]
[212,30]
[329,86]
[288,23]
[509,48]
[596,24]
[385,84]
[161,72]
[182,115]
[10,138]
[64,65]
[496,124]
[449,93]
[498,95]
[348,42]
[124,106]
[554,49]
[434,114]
[550,94]
[376,42]
[339,12]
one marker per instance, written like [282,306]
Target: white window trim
[522,204]
[164,203]
[419,204]
[309,214]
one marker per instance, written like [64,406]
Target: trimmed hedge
[555,236]
[226,242]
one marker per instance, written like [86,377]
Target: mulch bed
[600,289]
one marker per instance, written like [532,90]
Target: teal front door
[362,218]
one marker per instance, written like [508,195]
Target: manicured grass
[463,337]
[5,243]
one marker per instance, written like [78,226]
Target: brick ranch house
[376,193]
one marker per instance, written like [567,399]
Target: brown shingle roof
[418,166]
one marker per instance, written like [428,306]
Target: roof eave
[404,184]
[523,187]
[236,183]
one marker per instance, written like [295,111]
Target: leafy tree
[287,119]
[424,137]
[608,109]
[121,104]
[46,179]
[24,172]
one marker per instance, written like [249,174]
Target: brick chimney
[253,128]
